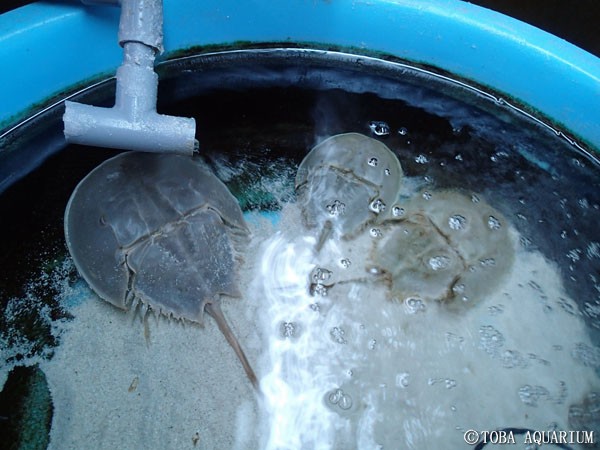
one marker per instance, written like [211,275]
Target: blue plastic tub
[51,49]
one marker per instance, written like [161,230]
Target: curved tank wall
[51,48]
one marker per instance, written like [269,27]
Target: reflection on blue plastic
[47,47]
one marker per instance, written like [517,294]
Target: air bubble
[373,162]
[530,395]
[414,305]
[427,195]
[345,402]
[494,310]
[490,340]
[345,262]
[450,383]
[387,172]
[337,208]
[454,340]
[458,288]
[372,344]
[402,379]
[340,398]
[493,223]
[587,355]
[512,359]
[397,211]
[421,159]
[375,232]
[403,131]
[379,128]
[439,262]
[319,289]
[488,262]
[377,206]
[337,334]
[457,222]
[288,329]
[320,274]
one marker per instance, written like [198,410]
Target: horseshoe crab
[446,245]
[346,182]
[162,230]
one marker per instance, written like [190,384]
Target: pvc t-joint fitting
[133,123]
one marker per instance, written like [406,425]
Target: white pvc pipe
[133,123]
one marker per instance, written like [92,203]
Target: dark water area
[265,116]
[258,116]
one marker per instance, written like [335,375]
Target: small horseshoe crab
[162,230]
[445,246]
[345,183]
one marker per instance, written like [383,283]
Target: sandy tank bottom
[348,369]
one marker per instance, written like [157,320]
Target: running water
[347,368]
[341,365]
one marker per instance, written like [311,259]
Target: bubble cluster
[379,128]
[318,290]
[449,383]
[345,263]
[414,305]
[337,335]
[337,208]
[377,206]
[339,398]
[320,274]
[586,415]
[586,355]
[457,222]
[513,359]
[493,223]
[531,395]
[318,277]
[375,232]
[490,340]
[439,262]
[397,211]
[421,159]
[288,330]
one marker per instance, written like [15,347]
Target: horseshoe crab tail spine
[325,233]
[216,313]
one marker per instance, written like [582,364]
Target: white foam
[415,380]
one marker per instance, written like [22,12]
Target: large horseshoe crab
[162,230]
[346,182]
[446,245]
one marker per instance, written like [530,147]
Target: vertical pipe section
[133,123]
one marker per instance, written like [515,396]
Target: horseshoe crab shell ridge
[347,182]
[160,229]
